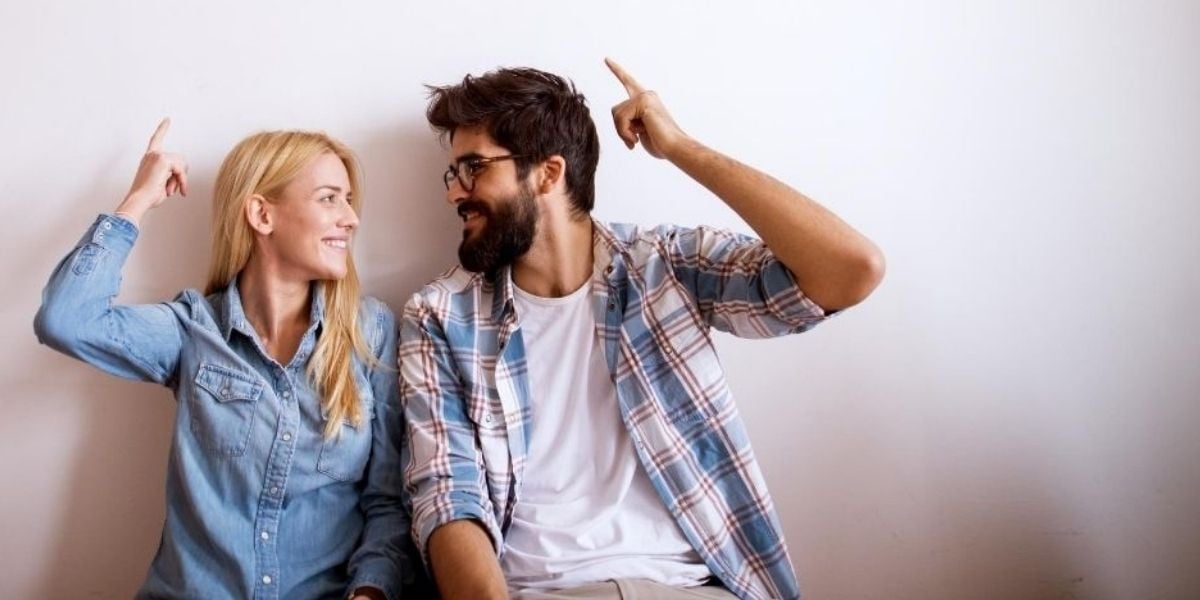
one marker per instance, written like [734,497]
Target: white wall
[1011,415]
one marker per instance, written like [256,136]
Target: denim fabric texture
[259,504]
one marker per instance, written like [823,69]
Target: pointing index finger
[631,85]
[159,134]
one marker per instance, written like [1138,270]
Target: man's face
[500,211]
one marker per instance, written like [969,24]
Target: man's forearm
[836,266]
[464,563]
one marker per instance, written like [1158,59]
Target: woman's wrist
[131,209]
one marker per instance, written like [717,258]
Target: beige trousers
[628,589]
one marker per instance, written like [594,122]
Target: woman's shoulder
[378,320]
[193,306]
[375,309]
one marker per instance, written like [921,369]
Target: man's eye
[473,167]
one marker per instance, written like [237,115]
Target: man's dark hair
[532,113]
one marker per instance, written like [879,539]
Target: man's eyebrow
[467,156]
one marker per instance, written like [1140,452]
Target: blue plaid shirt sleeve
[738,284]
[444,467]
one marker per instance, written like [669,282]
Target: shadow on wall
[878,493]
[409,233]
[112,516]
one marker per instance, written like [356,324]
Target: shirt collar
[232,316]
[607,255]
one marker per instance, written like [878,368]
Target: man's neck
[560,259]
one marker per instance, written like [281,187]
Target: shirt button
[287,437]
[107,225]
[264,535]
[274,491]
[612,306]
[287,394]
[267,579]
[225,392]
[487,418]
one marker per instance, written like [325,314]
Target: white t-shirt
[587,511]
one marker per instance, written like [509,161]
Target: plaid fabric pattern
[657,293]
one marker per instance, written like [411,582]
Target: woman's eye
[329,198]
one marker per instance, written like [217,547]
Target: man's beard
[506,235]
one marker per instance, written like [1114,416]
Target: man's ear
[551,173]
[258,214]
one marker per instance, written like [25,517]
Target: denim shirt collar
[231,316]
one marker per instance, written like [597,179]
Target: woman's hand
[160,175]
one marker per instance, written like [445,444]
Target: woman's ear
[258,214]
[551,173]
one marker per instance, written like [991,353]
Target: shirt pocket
[344,456]
[222,409]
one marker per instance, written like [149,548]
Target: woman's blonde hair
[264,163]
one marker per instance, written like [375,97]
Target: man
[570,431]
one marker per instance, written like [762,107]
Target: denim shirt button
[274,491]
[225,392]
[267,579]
[287,395]
[287,437]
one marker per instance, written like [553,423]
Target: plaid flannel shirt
[465,389]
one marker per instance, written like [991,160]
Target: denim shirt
[259,503]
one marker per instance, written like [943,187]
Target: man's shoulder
[643,244]
[455,281]
[631,236]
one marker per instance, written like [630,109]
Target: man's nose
[455,193]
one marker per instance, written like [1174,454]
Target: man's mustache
[472,205]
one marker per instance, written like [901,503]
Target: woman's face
[314,222]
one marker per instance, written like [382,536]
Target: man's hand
[835,266]
[644,118]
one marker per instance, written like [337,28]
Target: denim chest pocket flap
[223,408]
[344,456]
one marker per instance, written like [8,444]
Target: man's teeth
[336,243]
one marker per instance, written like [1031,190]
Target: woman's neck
[276,308]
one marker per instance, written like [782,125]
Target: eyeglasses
[465,170]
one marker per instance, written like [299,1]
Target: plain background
[1012,414]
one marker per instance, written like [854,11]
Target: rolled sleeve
[79,317]
[445,470]
[738,284]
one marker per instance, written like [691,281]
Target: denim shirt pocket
[344,456]
[222,409]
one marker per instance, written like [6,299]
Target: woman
[283,375]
